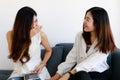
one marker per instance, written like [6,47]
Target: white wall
[61,20]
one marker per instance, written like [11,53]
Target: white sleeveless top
[35,59]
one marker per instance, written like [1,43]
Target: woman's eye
[87,20]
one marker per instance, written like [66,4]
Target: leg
[82,75]
[106,75]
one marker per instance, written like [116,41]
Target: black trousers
[82,75]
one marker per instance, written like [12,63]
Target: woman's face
[88,25]
[35,22]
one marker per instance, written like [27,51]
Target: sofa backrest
[59,53]
[55,59]
[115,64]
[66,49]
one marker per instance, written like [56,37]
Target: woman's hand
[65,77]
[39,68]
[34,30]
[55,77]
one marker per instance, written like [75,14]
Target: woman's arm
[68,74]
[46,45]
[55,77]
[9,40]
[70,61]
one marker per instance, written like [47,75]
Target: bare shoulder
[9,33]
[9,39]
[9,36]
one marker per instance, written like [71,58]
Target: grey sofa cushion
[66,49]
[54,60]
[115,64]
[4,74]
[109,60]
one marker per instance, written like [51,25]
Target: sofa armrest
[4,74]
[115,64]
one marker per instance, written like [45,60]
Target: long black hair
[21,34]
[103,30]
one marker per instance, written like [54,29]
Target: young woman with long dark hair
[24,42]
[90,50]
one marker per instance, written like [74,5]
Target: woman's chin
[86,30]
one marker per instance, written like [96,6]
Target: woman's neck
[93,37]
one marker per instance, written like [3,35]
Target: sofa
[59,53]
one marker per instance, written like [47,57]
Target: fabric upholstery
[115,64]
[54,60]
[109,60]
[66,49]
[4,74]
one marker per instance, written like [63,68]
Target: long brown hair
[21,34]
[103,30]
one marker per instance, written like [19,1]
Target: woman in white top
[90,49]
[24,46]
